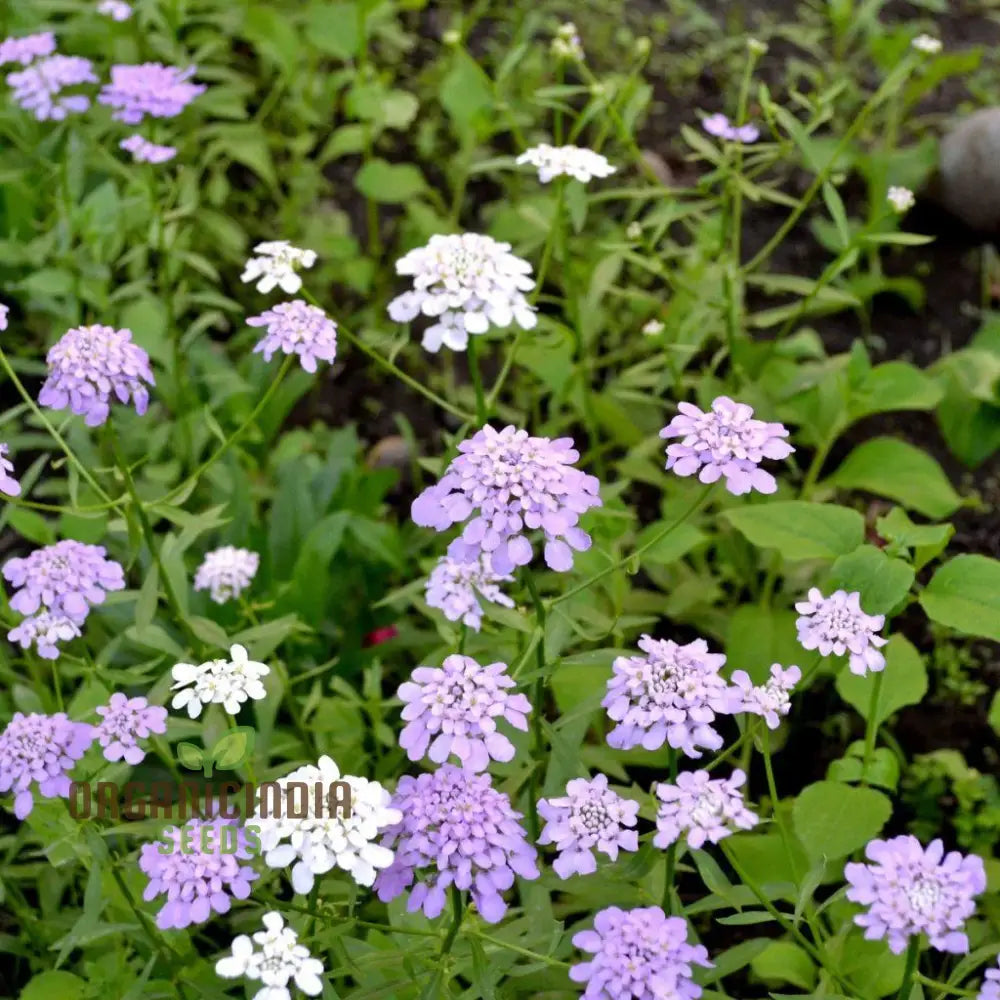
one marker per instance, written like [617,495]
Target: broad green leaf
[798,529]
[54,985]
[391,183]
[333,28]
[190,755]
[900,471]
[784,962]
[764,858]
[895,385]
[875,971]
[904,682]
[831,820]
[964,594]
[758,637]
[882,581]
[234,747]
[31,525]
[928,541]
[467,95]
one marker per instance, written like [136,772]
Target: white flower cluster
[326,838]
[281,958]
[467,283]
[928,44]
[277,266]
[901,199]
[219,682]
[226,572]
[566,44]
[570,161]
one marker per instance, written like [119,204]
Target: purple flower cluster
[8,483]
[990,990]
[144,151]
[727,442]
[671,694]
[457,587]
[908,890]
[639,954]
[40,750]
[837,624]
[457,829]
[297,328]
[149,89]
[125,722]
[27,48]
[704,809]
[88,365]
[772,699]
[45,631]
[199,881]
[517,483]
[589,817]
[454,708]
[720,126]
[38,88]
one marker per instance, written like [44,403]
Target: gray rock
[969,180]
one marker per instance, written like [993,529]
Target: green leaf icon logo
[233,748]
[192,757]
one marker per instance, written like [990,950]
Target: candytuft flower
[589,817]
[570,161]
[27,48]
[639,954]
[125,721]
[770,699]
[566,44]
[704,809]
[927,44]
[89,365]
[117,10]
[297,328]
[4,313]
[144,151]
[277,266]
[720,126]
[65,578]
[226,572]
[467,283]
[280,959]
[8,484]
[909,890]
[39,87]
[990,990]
[219,682]
[670,695]
[456,588]
[457,829]
[149,89]
[45,630]
[454,708]
[725,443]
[517,483]
[203,876]
[901,199]
[836,624]
[40,750]
[326,839]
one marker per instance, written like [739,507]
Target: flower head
[910,890]
[457,829]
[4,312]
[328,836]
[517,483]
[125,721]
[771,699]
[297,328]
[117,10]
[652,327]
[704,809]
[566,43]
[725,443]
[277,266]
[44,631]
[91,364]
[671,694]
[8,484]
[197,867]
[40,750]
[720,126]
[990,990]
[27,48]
[589,817]
[467,283]
[144,151]
[570,161]
[454,708]
[149,89]
[456,588]
[927,43]
[219,682]
[65,578]
[226,572]
[281,958]
[39,87]
[901,199]
[639,954]
[836,624]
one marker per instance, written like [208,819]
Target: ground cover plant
[498,501]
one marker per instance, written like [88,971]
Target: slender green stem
[671,865]
[550,242]
[537,732]
[912,957]
[517,950]
[698,503]
[871,726]
[482,414]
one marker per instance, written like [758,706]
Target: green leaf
[784,962]
[758,637]
[964,594]
[333,28]
[54,985]
[900,471]
[882,581]
[904,682]
[467,95]
[928,541]
[31,525]
[246,143]
[234,747]
[993,716]
[800,530]
[191,756]
[895,385]
[391,183]
[832,820]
